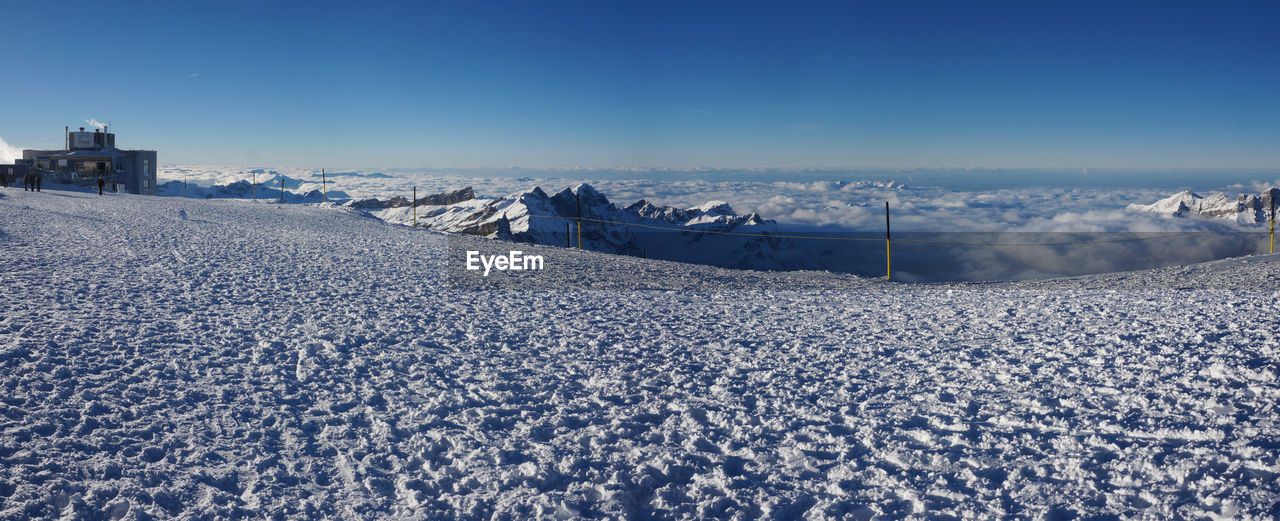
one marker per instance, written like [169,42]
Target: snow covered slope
[1245,209]
[183,358]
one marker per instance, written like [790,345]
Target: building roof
[78,154]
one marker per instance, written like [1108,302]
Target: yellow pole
[579,234]
[887,272]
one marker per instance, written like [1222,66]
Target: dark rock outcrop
[440,199]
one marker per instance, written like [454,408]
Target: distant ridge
[1244,209]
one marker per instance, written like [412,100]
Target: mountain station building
[90,155]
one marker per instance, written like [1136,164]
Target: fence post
[324,188]
[568,235]
[281,189]
[578,199]
[1272,230]
[415,207]
[253,188]
[887,272]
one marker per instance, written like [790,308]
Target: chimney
[82,129]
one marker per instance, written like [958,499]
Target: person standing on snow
[101,183]
[26,181]
[39,179]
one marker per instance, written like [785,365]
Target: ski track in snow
[169,358]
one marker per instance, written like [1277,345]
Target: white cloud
[9,153]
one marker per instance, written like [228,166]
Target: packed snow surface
[205,359]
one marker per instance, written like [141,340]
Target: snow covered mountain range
[269,186]
[710,233]
[1245,209]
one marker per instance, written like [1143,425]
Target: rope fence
[713,232]
[1071,243]
[888,241]
[911,241]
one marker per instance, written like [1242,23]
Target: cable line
[911,241]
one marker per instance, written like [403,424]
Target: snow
[1245,209]
[187,358]
[714,208]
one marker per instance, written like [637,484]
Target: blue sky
[679,84]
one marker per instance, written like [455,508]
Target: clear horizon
[731,86]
